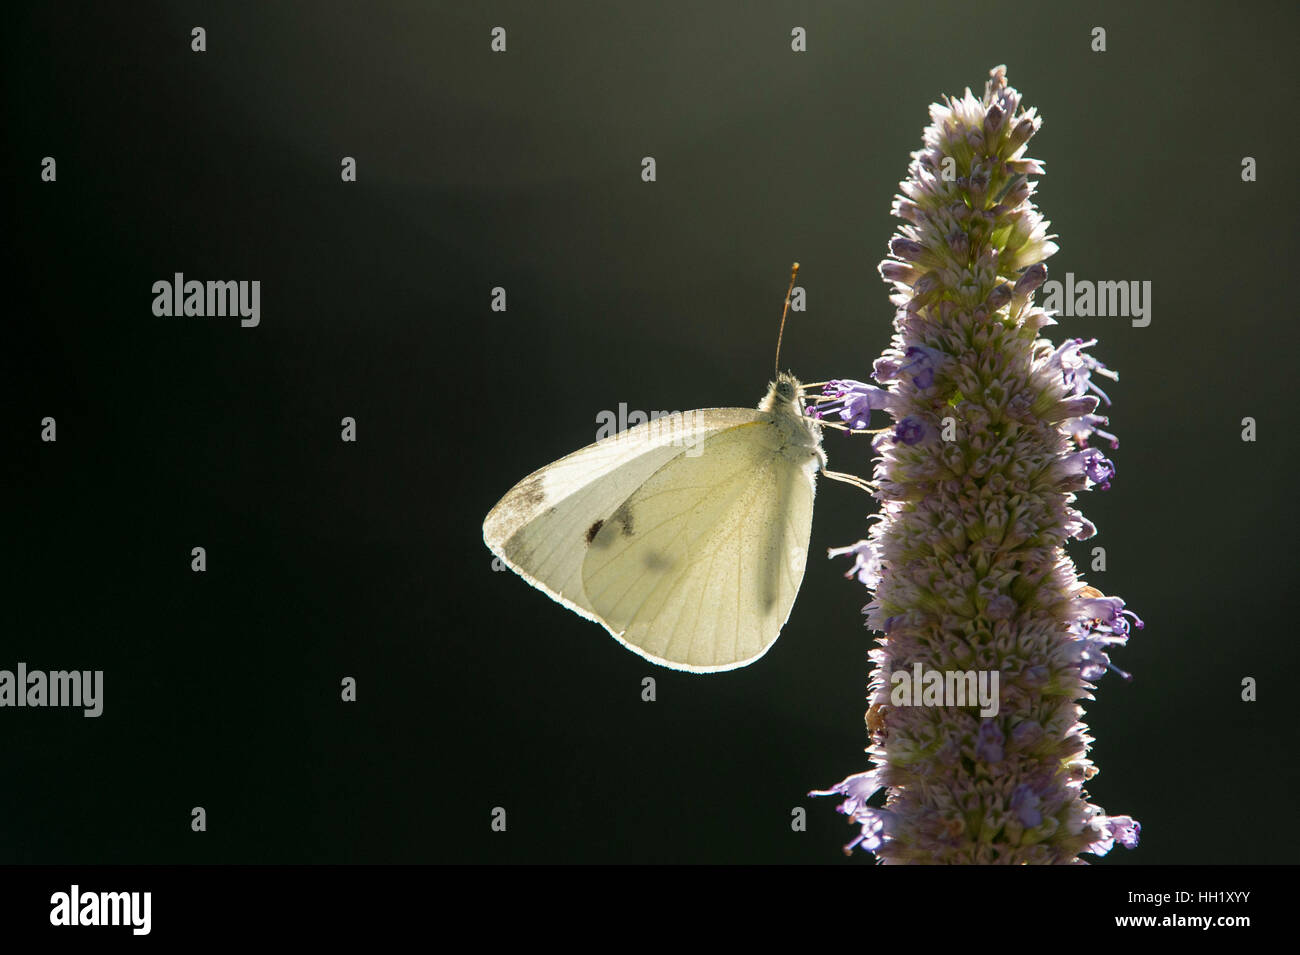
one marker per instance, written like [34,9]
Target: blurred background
[522,170]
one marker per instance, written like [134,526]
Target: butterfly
[686,537]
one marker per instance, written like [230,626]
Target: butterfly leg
[850,479]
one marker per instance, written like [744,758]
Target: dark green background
[523,170]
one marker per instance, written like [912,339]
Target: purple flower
[918,361]
[1077,369]
[866,561]
[872,836]
[909,430]
[1111,829]
[1090,464]
[1078,526]
[1024,803]
[857,790]
[989,743]
[1099,624]
[965,564]
[920,364]
[1085,426]
[1125,830]
[852,400]
[1106,610]
[1034,276]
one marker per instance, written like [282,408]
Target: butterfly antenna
[794,270]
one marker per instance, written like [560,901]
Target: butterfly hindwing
[699,567]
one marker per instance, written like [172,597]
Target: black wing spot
[624,518]
[656,562]
[593,530]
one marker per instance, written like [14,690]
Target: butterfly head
[784,394]
[799,434]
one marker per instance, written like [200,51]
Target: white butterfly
[685,537]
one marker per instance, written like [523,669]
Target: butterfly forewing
[540,529]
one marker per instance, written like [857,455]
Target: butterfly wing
[698,568]
[541,528]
